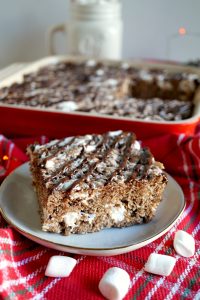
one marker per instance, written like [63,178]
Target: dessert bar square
[87,183]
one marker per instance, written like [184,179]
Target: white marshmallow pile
[160,264]
[114,284]
[184,243]
[60,266]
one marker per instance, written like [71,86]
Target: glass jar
[94,29]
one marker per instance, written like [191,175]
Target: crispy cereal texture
[87,183]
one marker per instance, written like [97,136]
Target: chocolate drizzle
[59,149]
[125,155]
[99,160]
[106,147]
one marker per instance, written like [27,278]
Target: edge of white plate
[95,251]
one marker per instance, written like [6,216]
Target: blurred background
[156,29]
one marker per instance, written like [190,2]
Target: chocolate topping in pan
[102,89]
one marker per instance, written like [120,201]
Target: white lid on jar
[93,9]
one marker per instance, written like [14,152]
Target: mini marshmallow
[60,266]
[67,106]
[184,243]
[160,264]
[114,284]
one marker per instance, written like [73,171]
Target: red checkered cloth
[23,262]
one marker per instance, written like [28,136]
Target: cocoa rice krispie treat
[87,183]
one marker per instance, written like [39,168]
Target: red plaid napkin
[22,262]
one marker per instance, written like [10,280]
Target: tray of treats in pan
[63,95]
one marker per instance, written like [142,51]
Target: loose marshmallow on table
[160,264]
[184,243]
[60,266]
[114,284]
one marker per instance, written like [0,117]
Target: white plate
[19,207]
